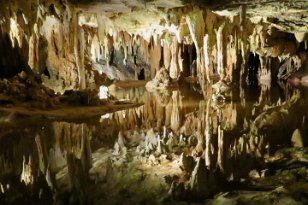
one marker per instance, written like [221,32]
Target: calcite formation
[61,52]
[62,41]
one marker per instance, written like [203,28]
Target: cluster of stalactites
[51,36]
[56,36]
[218,42]
[222,44]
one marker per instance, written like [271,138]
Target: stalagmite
[192,136]
[151,140]
[172,141]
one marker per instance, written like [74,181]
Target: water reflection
[178,145]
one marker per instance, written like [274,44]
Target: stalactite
[78,46]
[207,58]
[243,17]
[155,55]
[180,59]
[33,52]
[144,45]
[167,56]
[196,27]
[95,48]
[16,32]
[174,71]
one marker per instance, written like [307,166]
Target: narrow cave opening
[192,60]
[11,60]
[141,75]
[253,69]
[189,56]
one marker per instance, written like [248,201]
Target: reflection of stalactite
[208,135]
[265,97]
[220,51]
[27,173]
[220,158]
[74,140]
[176,119]
[44,162]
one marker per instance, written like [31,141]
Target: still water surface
[115,159]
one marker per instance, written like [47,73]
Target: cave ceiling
[289,16]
